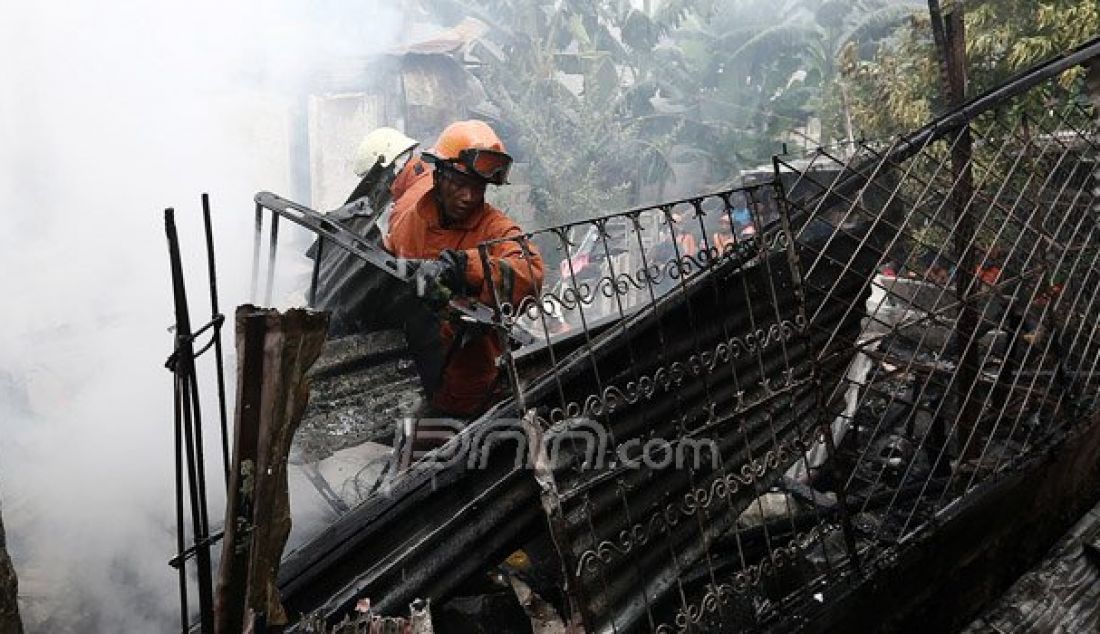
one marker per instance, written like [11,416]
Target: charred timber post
[275,350]
[969,405]
[950,35]
[232,572]
[1092,89]
[292,342]
[9,591]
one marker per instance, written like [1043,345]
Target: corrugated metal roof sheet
[1060,594]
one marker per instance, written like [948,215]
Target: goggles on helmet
[489,165]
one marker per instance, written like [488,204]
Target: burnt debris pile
[804,403]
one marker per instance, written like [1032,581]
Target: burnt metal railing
[739,406]
[190,463]
[1033,249]
[688,391]
[756,397]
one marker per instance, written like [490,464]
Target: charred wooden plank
[273,394]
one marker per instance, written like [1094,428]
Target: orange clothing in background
[416,172]
[720,240]
[989,275]
[687,244]
[417,233]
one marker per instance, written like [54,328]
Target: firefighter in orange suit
[441,225]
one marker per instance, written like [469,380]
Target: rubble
[361,385]
[835,431]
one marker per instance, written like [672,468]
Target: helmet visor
[491,165]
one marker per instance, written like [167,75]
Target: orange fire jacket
[469,379]
[415,173]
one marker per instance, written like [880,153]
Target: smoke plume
[112,112]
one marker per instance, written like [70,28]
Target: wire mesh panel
[683,389]
[978,342]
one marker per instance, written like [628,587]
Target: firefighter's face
[462,194]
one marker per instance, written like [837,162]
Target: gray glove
[437,280]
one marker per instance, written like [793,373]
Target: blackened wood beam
[275,351]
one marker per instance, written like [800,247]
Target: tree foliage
[574,82]
[899,89]
[764,69]
[603,99]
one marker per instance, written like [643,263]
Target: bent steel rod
[182,365]
[180,547]
[214,316]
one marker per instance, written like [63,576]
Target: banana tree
[765,69]
[573,82]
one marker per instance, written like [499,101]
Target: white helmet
[384,146]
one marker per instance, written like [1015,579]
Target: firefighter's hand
[438,280]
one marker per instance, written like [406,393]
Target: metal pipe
[184,371]
[257,237]
[214,315]
[180,540]
[273,245]
[317,255]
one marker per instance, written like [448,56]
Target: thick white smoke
[111,112]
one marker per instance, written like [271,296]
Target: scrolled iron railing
[750,402]
[857,346]
[716,356]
